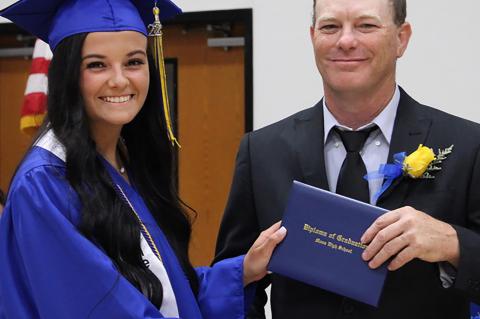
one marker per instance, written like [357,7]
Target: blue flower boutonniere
[420,164]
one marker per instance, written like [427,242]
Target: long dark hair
[106,219]
[2,198]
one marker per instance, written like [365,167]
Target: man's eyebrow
[369,16]
[363,16]
[326,18]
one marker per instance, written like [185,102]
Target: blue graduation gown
[48,269]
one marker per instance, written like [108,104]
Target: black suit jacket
[269,160]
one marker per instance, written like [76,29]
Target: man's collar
[385,120]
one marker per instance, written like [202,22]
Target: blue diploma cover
[323,248]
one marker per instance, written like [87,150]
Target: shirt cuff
[447,274]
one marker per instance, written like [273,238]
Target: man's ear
[403,35]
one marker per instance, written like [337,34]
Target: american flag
[35,101]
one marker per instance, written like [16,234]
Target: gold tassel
[156,36]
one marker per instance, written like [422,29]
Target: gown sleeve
[221,293]
[48,269]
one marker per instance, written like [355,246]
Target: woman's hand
[258,256]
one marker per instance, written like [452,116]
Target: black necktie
[350,180]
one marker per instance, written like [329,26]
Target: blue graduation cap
[54,20]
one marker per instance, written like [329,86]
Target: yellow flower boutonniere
[423,161]
[420,164]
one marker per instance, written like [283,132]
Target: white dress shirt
[374,151]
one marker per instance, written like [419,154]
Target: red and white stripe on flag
[35,101]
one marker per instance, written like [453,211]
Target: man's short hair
[399,11]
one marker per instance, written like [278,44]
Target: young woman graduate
[93,227]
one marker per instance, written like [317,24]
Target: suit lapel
[309,146]
[410,130]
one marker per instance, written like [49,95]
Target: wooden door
[211,122]
[13,143]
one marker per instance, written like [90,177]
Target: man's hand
[258,256]
[405,234]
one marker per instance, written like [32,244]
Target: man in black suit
[430,239]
